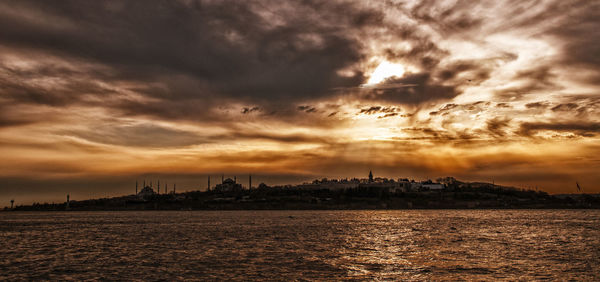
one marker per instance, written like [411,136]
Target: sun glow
[385,70]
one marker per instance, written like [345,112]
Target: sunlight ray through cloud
[385,70]
[289,86]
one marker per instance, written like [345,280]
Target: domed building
[228,185]
[146,192]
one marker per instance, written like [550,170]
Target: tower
[136,186]
[174,188]
[165,188]
[158,187]
[370,176]
[67,205]
[222,178]
[208,187]
[12,201]
[249,181]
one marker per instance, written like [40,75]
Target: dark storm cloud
[153,136]
[542,74]
[276,137]
[423,53]
[442,83]
[451,19]
[371,110]
[418,88]
[63,85]
[572,24]
[437,136]
[307,109]
[576,28]
[565,107]
[582,37]
[379,109]
[451,107]
[451,71]
[9,122]
[264,51]
[252,50]
[532,81]
[137,136]
[388,115]
[503,105]
[577,107]
[247,110]
[191,109]
[581,129]
[386,111]
[537,105]
[497,126]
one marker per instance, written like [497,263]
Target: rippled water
[284,245]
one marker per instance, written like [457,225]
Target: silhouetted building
[146,192]
[432,186]
[331,185]
[228,185]
[379,183]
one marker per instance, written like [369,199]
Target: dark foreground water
[296,245]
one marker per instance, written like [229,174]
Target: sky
[96,95]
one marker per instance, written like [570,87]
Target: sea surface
[301,245]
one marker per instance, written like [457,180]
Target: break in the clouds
[505,90]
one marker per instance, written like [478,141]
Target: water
[302,245]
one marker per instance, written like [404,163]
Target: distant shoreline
[355,194]
[295,199]
[357,209]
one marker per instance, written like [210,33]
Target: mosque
[146,192]
[228,185]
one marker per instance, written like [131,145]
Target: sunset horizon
[97,95]
[310,140]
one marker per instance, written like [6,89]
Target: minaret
[165,188]
[174,191]
[158,187]
[136,186]
[12,201]
[67,206]
[249,181]
[370,176]
[208,187]
[222,178]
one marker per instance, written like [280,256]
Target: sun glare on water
[385,70]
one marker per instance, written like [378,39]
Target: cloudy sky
[95,95]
